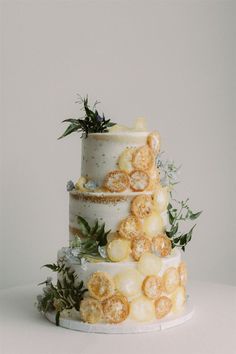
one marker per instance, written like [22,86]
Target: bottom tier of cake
[150,292]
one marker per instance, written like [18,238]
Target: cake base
[128,326]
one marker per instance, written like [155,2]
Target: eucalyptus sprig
[180,212]
[168,170]
[65,295]
[91,240]
[91,122]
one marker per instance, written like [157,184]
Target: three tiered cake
[123,270]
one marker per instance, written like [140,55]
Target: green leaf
[171,217]
[194,216]
[71,129]
[83,226]
[57,318]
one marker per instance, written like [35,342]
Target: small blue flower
[70,186]
[91,185]
[99,118]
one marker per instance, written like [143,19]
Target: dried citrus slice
[161,198]
[91,310]
[130,227]
[162,245]
[142,205]
[100,285]
[140,245]
[153,224]
[112,236]
[129,282]
[143,158]
[163,306]
[117,181]
[142,309]
[79,185]
[183,274]
[125,160]
[154,175]
[152,286]
[170,280]
[118,250]
[178,299]
[116,309]
[139,180]
[149,264]
[154,142]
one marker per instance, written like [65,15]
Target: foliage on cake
[91,122]
[91,241]
[66,294]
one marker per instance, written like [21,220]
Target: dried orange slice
[143,158]
[100,285]
[125,160]
[161,198]
[118,249]
[152,287]
[142,309]
[116,309]
[139,180]
[154,175]
[140,245]
[91,310]
[149,264]
[117,181]
[183,274]
[163,306]
[142,205]
[178,299]
[162,245]
[154,142]
[129,282]
[130,227]
[170,280]
[153,224]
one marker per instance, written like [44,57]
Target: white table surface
[212,330]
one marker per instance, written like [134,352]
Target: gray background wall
[170,61]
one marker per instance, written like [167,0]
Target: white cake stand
[128,326]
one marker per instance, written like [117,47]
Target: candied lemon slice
[140,124]
[139,180]
[170,280]
[163,305]
[153,224]
[152,286]
[116,181]
[149,264]
[112,236]
[142,309]
[142,205]
[100,285]
[118,128]
[154,175]
[183,274]
[79,185]
[125,160]
[118,250]
[162,245]
[154,142]
[140,245]
[91,310]
[116,309]
[129,282]
[130,227]
[178,299]
[143,158]
[161,198]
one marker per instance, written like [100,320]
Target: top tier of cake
[132,153]
[101,151]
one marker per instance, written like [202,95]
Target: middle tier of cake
[149,209]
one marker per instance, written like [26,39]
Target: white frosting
[111,212]
[113,268]
[100,152]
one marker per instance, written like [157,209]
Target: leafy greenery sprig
[65,295]
[91,241]
[180,212]
[169,171]
[91,122]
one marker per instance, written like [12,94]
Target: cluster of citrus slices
[140,293]
[137,169]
